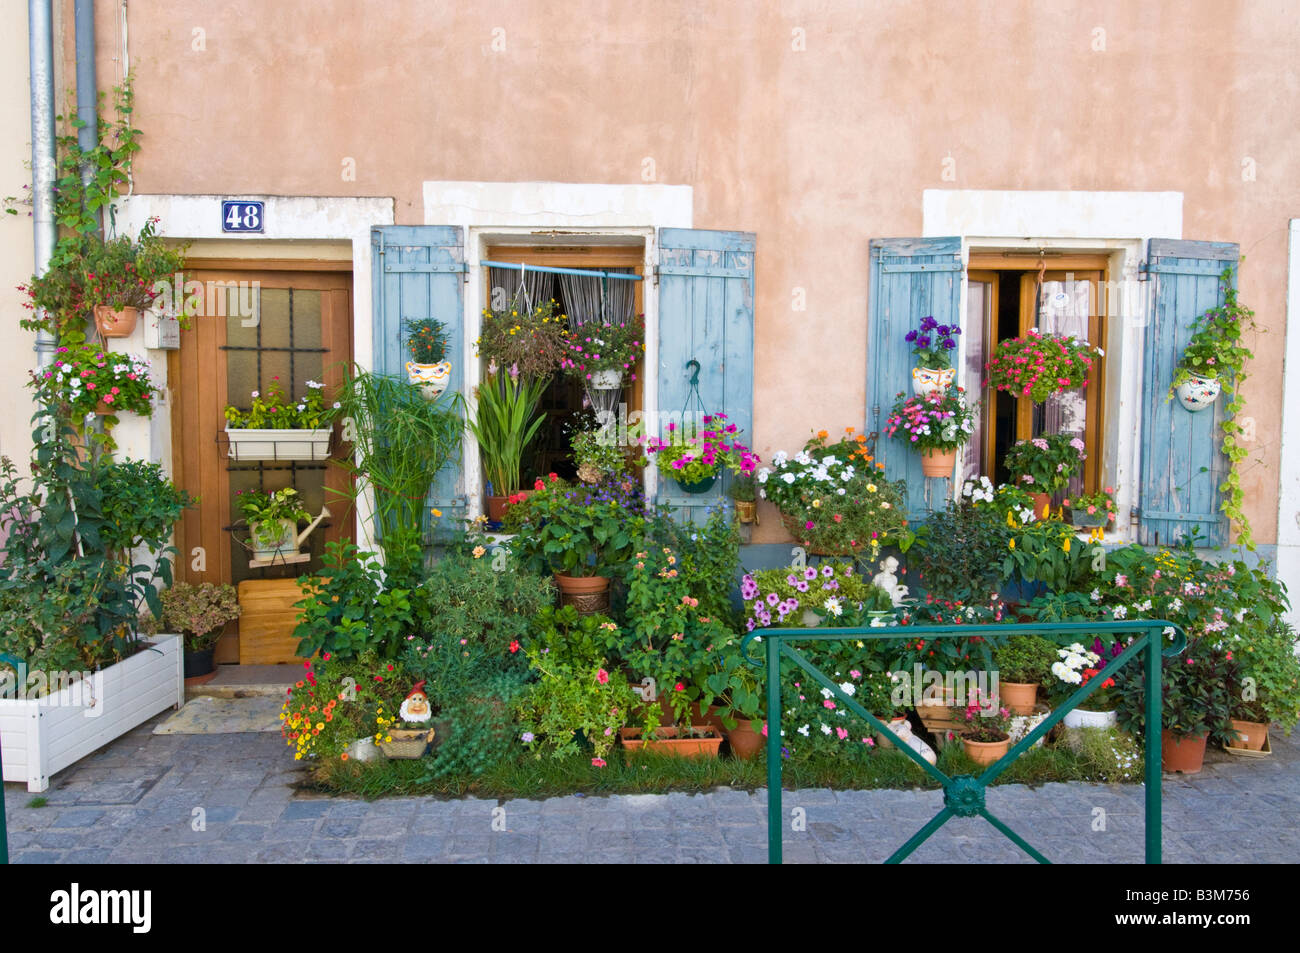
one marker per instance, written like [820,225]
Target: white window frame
[1115,224]
[536,213]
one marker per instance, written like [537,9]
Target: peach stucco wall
[816,125]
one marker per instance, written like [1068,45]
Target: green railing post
[1154,778]
[775,822]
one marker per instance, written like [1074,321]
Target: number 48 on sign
[243,216]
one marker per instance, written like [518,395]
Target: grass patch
[650,773]
[38,802]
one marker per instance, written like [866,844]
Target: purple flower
[810,573]
[827,571]
[773,598]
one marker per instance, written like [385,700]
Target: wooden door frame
[206,476]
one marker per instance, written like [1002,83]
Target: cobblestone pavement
[133,802]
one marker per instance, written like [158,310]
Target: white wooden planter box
[247,444]
[41,736]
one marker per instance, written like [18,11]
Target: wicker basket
[407,743]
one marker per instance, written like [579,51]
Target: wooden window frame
[987,267]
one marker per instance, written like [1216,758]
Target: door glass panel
[1065,307]
[284,342]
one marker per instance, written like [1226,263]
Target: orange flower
[822,434]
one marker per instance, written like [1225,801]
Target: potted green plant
[806,488]
[744,493]
[1215,354]
[1268,688]
[1022,664]
[595,452]
[119,277]
[273,520]
[199,613]
[695,461]
[937,424]
[734,688]
[1197,689]
[1075,667]
[1043,465]
[985,728]
[428,367]
[86,380]
[274,427]
[932,344]
[1037,365]
[600,355]
[504,423]
[581,534]
[1092,510]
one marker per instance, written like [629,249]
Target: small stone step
[245,681]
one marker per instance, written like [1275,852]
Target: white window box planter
[248,444]
[41,736]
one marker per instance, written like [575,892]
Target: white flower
[826,693]
[315,385]
[804,731]
[848,688]
[1120,612]
[832,605]
[779,458]
[840,491]
[829,461]
[1095,595]
[826,729]
[762,475]
[803,458]
[787,477]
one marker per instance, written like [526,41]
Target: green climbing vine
[1216,350]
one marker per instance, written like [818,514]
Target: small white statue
[887,580]
[901,727]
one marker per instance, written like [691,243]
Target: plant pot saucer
[1263,752]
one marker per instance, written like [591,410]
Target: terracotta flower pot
[1042,505]
[496,508]
[114,322]
[103,408]
[986,752]
[1181,752]
[745,742]
[587,594]
[1253,734]
[938,463]
[666,741]
[1020,697]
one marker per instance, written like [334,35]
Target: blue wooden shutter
[1182,465]
[910,278]
[706,313]
[419,272]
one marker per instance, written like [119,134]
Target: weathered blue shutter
[910,278]
[1182,465]
[706,313]
[419,272]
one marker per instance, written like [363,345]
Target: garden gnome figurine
[416,706]
[887,580]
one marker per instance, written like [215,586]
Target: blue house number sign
[243,216]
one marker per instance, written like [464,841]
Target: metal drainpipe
[40,18]
[87,88]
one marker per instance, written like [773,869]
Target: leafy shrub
[349,609]
[958,553]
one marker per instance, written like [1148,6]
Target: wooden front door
[254,326]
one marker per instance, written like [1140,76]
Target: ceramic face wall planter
[1199,393]
[928,379]
[432,378]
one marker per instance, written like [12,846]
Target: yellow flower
[1010,521]
[871,488]
[817,502]
[1011,544]
[479,551]
[1065,544]
[436,512]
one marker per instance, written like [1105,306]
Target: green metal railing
[964,793]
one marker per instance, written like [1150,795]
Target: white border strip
[1288,505]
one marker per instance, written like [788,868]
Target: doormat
[208,715]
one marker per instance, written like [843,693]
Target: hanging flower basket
[702,485]
[1199,393]
[432,379]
